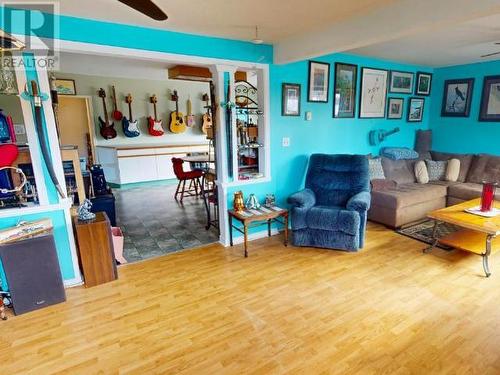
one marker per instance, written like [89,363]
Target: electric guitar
[154,125]
[106,128]
[177,124]
[129,125]
[117,115]
[379,135]
[207,118]
[189,116]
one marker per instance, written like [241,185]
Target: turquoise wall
[464,134]
[120,35]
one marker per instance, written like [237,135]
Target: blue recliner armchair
[331,211]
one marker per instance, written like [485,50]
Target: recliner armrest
[359,202]
[303,199]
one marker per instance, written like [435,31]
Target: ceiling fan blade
[146,7]
[491,54]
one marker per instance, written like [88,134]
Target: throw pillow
[421,172]
[452,170]
[436,169]
[375,168]
[399,153]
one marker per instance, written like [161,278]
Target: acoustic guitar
[207,118]
[189,115]
[129,125]
[106,127]
[379,135]
[177,124]
[154,125]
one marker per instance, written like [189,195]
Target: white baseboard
[77,281]
[251,237]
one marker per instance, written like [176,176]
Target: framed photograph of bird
[457,97]
[490,99]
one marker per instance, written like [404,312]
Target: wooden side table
[246,220]
[95,247]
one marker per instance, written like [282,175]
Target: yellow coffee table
[478,234]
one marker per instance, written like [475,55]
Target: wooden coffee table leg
[245,230]
[485,256]
[435,240]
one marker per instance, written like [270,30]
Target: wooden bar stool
[194,187]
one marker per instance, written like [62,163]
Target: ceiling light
[257,40]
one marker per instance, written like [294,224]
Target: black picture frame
[485,99]
[337,90]
[409,114]
[326,91]
[65,86]
[402,103]
[417,84]
[458,95]
[284,99]
[408,90]
[360,107]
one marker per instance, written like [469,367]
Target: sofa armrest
[359,202]
[303,199]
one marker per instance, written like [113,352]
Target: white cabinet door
[165,169]
[138,169]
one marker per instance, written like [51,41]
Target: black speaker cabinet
[33,273]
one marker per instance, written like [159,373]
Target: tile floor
[153,223]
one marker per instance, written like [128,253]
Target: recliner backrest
[336,178]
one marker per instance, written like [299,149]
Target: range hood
[190,73]
[9,43]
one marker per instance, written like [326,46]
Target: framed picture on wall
[401,82]
[344,94]
[395,108]
[490,99]
[319,81]
[65,86]
[424,81]
[415,110]
[290,99]
[457,97]
[373,93]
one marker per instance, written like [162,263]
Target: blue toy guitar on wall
[376,137]
[129,125]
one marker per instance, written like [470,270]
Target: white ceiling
[424,32]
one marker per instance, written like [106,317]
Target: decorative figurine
[270,200]
[252,202]
[84,213]
[238,204]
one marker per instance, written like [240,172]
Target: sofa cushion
[484,168]
[382,184]
[423,141]
[436,169]
[375,168]
[452,170]
[398,170]
[468,191]
[408,195]
[465,162]
[421,173]
[399,153]
[333,219]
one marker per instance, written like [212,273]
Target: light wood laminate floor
[387,309]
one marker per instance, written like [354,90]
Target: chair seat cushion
[408,195]
[333,219]
[192,174]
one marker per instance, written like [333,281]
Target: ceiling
[424,32]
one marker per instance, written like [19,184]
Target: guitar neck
[154,108]
[105,110]
[130,111]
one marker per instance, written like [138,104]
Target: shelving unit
[248,118]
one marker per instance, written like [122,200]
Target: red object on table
[488,196]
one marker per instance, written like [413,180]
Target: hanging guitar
[207,118]
[378,136]
[154,125]
[177,124]
[107,128]
[129,125]
[189,115]
[117,115]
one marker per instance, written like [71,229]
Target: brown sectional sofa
[405,201]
